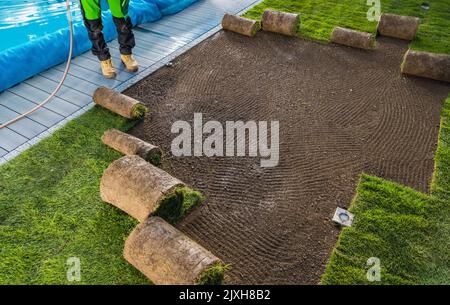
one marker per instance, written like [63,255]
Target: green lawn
[408,231]
[50,208]
[319,17]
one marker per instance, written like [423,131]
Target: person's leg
[119,11]
[92,17]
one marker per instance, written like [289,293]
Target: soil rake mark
[273,224]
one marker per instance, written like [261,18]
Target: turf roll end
[280,22]
[168,257]
[130,145]
[425,64]
[175,205]
[396,26]
[119,103]
[135,186]
[139,111]
[352,38]
[240,25]
[214,275]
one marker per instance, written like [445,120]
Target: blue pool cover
[25,60]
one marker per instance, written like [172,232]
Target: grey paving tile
[115,55]
[25,127]
[36,96]
[20,105]
[66,93]
[142,52]
[6,114]
[189,16]
[46,117]
[94,77]
[2,152]
[10,140]
[168,34]
[153,47]
[71,81]
[202,23]
[94,66]
[177,30]
[164,41]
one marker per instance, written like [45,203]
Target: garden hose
[66,71]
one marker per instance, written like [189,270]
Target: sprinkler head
[425,6]
[343,217]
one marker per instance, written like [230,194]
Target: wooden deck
[157,44]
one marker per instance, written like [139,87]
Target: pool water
[24,20]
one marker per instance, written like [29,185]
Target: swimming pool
[34,34]
[22,21]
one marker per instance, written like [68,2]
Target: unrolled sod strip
[280,22]
[425,64]
[135,186]
[119,103]
[165,255]
[403,27]
[130,145]
[352,38]
[240,25]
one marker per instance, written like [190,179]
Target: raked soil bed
[341,112]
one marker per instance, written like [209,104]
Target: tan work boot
[108,68]
[129,62]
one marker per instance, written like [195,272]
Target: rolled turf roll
[168,257]
[118,103]
[425,64]
[351,38]
[403,27]
[130,145]
[136,187]
[240,25]
[280,22]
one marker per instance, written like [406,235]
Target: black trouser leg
[99,46]
[125,34]
[94,28]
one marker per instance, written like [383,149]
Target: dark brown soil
[342,111]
